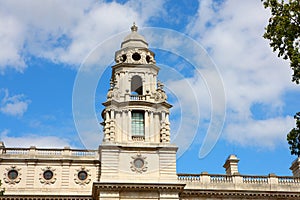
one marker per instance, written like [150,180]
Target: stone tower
[136,110]
[136,144]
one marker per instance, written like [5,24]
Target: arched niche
[136,85]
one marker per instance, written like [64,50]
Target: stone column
[146,127]
[122,85]
[167,128]
[296,167]
[151,87]
[151,129]
[106,126]
[112,125]
[127,95]
[124,128]
[119,83]
[231,165]
[129,125]
[118,126]
[156,125]
[163,127]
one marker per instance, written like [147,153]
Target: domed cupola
[134,39]
[134,49]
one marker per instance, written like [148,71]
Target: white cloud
[232,32]
[31,139]
[11,38]
[89,131]
[64,31]
[259,133]
[15,105]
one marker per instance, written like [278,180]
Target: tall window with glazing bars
[137,123]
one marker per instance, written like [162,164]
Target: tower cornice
[131,103]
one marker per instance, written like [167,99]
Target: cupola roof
[134,39]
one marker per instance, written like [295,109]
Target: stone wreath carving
[160,96]
[139,163]
[82,176]
[12,175]
[47,176]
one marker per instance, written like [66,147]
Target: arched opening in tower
[136,85]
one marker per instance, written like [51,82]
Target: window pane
[137,123]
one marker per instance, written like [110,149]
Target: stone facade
[136,159]
[26,171]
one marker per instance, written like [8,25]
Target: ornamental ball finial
[134,28]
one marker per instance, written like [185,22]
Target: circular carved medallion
[82,176]
[47,176]
[138,164]
[12,175]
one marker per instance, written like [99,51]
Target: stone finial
[231,165]
[2,146]
[296,167]
[134,28]
[160,85]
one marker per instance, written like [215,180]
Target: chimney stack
[296,167]
[231,165]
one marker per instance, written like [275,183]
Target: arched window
[137,123]
[136,85]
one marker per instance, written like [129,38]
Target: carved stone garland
[138,163]
[47,176]
[83,176]
[12,175]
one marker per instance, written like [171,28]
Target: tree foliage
[293,137]
[283,31]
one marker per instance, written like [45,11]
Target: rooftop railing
[221,179]
[288,180]
[49,152]
[205,178]
[256,179]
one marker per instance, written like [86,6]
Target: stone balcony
[138,97]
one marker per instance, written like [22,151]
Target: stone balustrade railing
[137,138]
[49,152]
[189,177]
[256,179]
[205,178]
[137,97]
[287,180]
[221,179]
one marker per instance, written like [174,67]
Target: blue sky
[45,45]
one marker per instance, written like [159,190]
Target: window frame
[138,123]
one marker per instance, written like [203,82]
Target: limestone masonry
[136,159]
